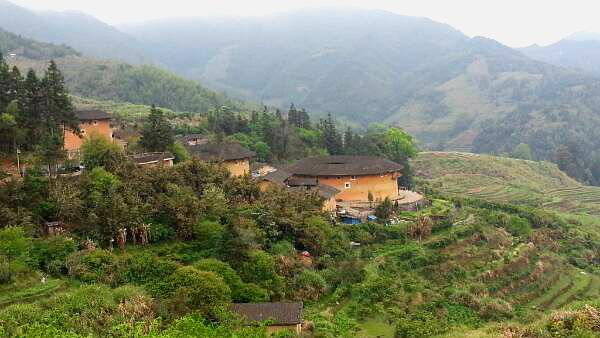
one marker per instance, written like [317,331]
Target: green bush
[309,285]
[261,270]
[160,232]
[221,269]
[143,267]
[92,266]
[15,318]
[51,254]
[209,234]
[201,290]
[250,293]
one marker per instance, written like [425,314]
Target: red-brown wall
[73,142]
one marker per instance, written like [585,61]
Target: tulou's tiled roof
[92,114]
[278,176]
[278,313]
[343,165]
[217,152]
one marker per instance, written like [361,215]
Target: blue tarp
[350,220]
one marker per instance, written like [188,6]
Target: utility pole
[19,162]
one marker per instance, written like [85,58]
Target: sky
[516,23]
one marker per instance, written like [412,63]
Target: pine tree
[157,133]
[57,110]
[332,140]
[30,106]
[4,84]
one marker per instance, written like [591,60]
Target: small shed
[280,315]
[54,228]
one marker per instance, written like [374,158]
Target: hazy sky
[513,22]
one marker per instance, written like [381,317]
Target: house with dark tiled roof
[285,179]
[356,177]
[232,156]
[91,121]
[153,159]
[278,316]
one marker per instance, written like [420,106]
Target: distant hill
[506,180]
[19,46]
[83,32]
[580,51]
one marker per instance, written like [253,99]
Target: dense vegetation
[276,137]
[160,252]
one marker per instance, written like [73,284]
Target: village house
[232,156]
[356,177]
[153,159]
[283,178]
[92,121]
[280,316]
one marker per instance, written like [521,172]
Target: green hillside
[506,180]
[14,44]
[146,85]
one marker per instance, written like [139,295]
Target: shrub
[261,270]
[221,269]
[250,293]
[209,234]
[51,254]
[160,232]
[143,267]
[201,290]
[14,317]
[309,285]
[92,266]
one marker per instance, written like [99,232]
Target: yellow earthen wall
[381,186]
[74,142]
[276,328]
[238,167]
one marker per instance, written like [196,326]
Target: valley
[244,177]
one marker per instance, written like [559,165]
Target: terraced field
[499,179]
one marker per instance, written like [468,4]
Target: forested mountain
[19,46]
[580,50]
[83,32]
[113,80]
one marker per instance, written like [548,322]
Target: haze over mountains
[580,50]
[451,91]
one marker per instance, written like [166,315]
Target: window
[82,131]
[347,185]
[353,178]
[95,122]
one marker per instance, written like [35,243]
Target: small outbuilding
[282,178]
[280,316]
[232,156]
[153,159]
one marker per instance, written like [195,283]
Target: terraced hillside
[499,179]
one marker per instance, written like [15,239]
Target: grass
[499,179]
[24,292]
[375,328]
